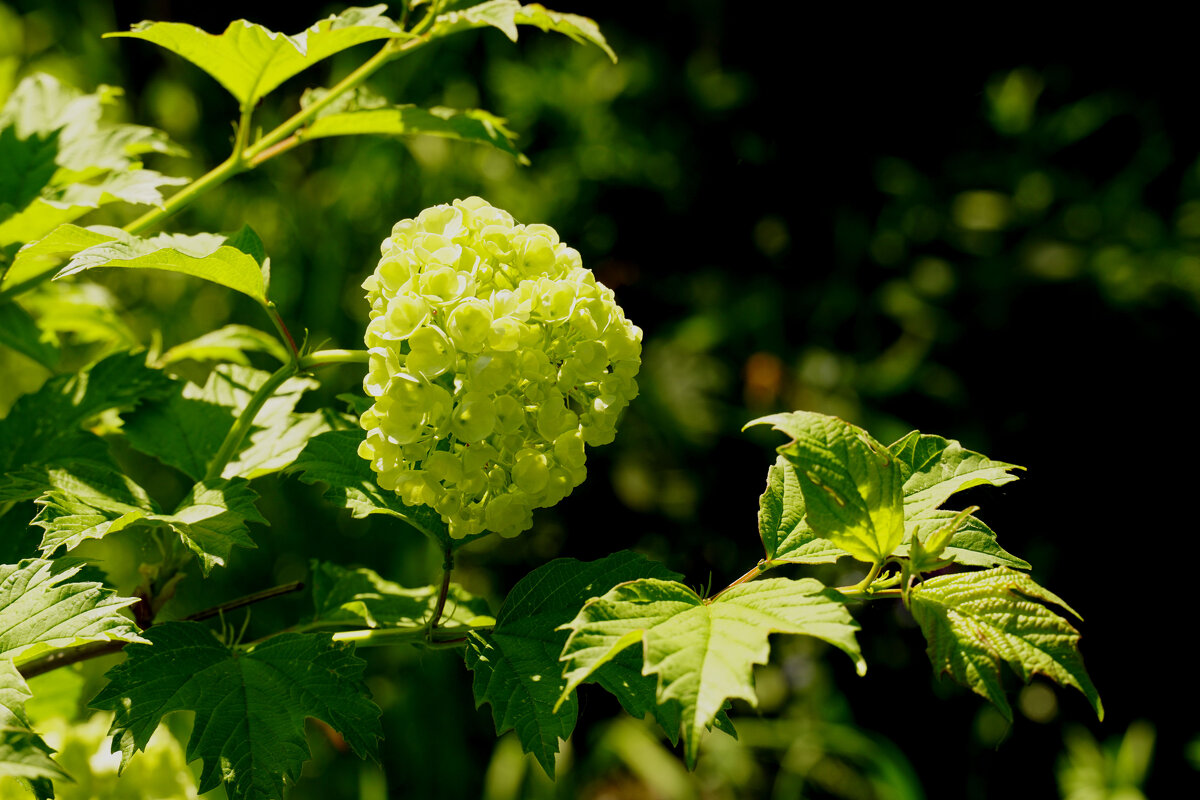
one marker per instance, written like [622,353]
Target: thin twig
[257,597]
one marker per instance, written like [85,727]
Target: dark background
[799,213]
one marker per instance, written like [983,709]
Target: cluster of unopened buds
[495,356]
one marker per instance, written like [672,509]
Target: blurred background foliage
[901,231]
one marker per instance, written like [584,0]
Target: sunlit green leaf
[44,428]
[88,501]
[703,653]
[785,532]
[250,60]
[935,468]
[516,665]
[506,15]
[229,343]
[973,544]
[851,484]
[975,621]
[186,429]
[59,160]
[203,255]
[40,609]
[211,520]
[359,114]
[250,703]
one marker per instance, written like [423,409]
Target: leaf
[581,29]
[366,113]
[506,15]
[88,501]
[935,468]
[229,343]
[212,519]
[44,428]
[209,256]
[21,333]
[187,429]
[86,312]
[973,544]
[333,458]
[60,160]
[23,754]
[40,610]
[516,665]
[974,621]
[703,652]
[850,483]
[277,447]
[250,60]
[361,598]
[249,702]
[785,533]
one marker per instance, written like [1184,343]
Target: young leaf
[508,14]
[516,665]
[974,621]
[785,533]
[935,468]
[23,754]
[469,125]
[973,543]
[851,483]
[43,429]
[204,255]
[21,333]
[360,598]
[40,610]
[250,703]
[703,653]
[333,458]
[250,60]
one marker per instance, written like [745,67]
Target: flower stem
[447,568]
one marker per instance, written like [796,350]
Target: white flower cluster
[495,357]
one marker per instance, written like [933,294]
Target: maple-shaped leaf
[975,621]
[516,664]
[851,484]
[42,609]
[703,652]
[211,520]
[250,703]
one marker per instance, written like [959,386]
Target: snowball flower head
[495,358]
